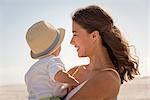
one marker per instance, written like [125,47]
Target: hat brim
[62,34]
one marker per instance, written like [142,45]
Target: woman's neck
[100,60]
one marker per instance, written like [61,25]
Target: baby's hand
[72,86]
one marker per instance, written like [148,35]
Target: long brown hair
[94,18]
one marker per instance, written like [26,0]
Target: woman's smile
[77,47]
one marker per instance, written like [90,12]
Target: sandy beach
[13,92]
[138,89]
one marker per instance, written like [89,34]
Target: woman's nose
[72,41]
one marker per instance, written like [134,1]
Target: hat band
[56,40]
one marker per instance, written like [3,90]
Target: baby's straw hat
[43,38]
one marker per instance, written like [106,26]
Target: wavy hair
[94,18]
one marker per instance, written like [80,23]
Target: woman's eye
[74,35]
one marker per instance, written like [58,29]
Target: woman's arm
[102,86]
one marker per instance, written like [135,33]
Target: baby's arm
[72,70]
[57,73]
[64,77]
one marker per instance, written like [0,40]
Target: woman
[95,36]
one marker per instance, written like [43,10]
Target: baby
[47,78]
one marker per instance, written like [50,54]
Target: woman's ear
[96,35]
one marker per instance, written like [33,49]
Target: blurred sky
[16,16]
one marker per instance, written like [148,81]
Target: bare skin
[101,85]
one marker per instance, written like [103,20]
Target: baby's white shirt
[40,79]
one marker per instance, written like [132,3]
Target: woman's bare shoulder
[107,82]
[102,86]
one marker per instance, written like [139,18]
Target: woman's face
[81,40]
